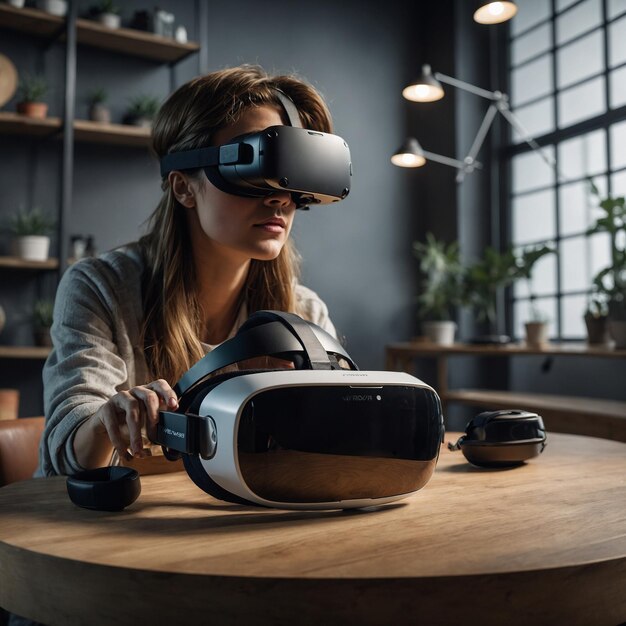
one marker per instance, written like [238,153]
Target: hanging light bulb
[409,154]
[494,12]
[425,89]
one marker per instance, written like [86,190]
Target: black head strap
[268,333]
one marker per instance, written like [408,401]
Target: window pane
[572,312]
[582,102]
[617,42]
[533,43]
[537,119]
[618,145]
[530,171]
[563,4]
[533,217]
[578,207]
[615,7]
[521,314]
[581,259]
[579,19]
[583,155]
[618,184]
[531,81]
[581,59]
[617,84]
[529,12]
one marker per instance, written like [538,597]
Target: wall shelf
[90,33]
[13,262]
[117,134]
[24,352]
[16,124]
[133,42]
[32,21]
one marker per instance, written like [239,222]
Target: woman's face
[250,228]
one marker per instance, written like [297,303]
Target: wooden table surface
[544,543]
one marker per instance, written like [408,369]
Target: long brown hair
[188,119]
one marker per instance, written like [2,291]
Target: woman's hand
[119,421]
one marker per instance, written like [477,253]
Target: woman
[128,324]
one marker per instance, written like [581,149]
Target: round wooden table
[544,543]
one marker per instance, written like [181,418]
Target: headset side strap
[290,108]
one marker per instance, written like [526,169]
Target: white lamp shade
[494,12]
[425,89]
[409,154]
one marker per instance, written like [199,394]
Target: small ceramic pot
[441,333]
[32,247]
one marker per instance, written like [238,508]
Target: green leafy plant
[97,96]
[484,277]
[610,282]
[524,266]
[42,314]
[143,106]
[33,222]
[442,274]
[32,88]
[104,6]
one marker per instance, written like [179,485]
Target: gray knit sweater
[97,352]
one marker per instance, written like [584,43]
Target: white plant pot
[54,7]
[16,3]
[536,334]
[617,330]
[32,248]
[441,333]
[110,20]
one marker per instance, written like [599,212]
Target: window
[567,82]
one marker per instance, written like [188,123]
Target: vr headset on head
[314,167]
[316,436]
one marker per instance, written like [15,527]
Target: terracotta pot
[42,337]
[37,110]
[536,334]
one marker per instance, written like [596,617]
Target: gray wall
[357,255]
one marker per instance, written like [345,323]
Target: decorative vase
[37,110]
[536,334]
[441,333]
[110,20]
[32,247]
[597,330]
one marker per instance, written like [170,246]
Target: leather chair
[19,448]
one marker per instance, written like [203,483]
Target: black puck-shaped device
[503,438]
[105,488]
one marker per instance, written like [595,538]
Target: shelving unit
[74,32]
[594,417]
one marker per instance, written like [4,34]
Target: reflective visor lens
[338,442]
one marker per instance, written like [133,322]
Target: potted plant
[537,325]
[610,282]
[30,234]
[54,7]
[98,111]
[142,110]
[106,13]
[482,280]
[42,321]
[596,320]
[440,293]
[31,90]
